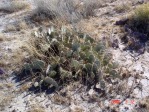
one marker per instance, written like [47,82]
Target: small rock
[1,71]
[98,86]
[140,1]
[121,47]
[122,22]
[36,84]
[36,34]
[14,110]
[91,92]
[115,43]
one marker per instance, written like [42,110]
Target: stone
[115,43]
[122,22]
[1,71]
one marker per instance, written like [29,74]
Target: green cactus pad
[95,69]
[69,54]
[75,47]
[37,64]
[75,64]
[52,74]
[102,84]
[91,58]
[27,67]
[88,68]
[114,74]
[65,74]
[99,47]
[85,47]
[88,38]
[49,81]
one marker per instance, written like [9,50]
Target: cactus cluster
[70,56]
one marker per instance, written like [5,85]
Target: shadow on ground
[135,39]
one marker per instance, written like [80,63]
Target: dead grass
[1,85]
[15,6]
[4,101]
[24,87]
[2,37]
[9,85]
[10,28]
[3,63]
[23,25]
[122,8]
[36,108]
[69,10]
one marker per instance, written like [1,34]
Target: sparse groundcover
[62,57]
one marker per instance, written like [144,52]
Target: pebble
[1,71]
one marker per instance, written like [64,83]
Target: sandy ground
[13,100]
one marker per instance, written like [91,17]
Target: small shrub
[14,6]
[69,10]
[122,8]
[137,29]
[140,19]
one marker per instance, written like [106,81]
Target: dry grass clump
[10,28]
[24,88]
[4,101]
[69,10]
[36,108]
[23,25]
[122,8]
[2,63]
[2,37]
[143,105]
[140,19]
[14,6]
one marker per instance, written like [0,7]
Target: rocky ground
[15,31]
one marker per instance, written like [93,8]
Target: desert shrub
[122,8]
[14,6]
[64,56]
[136,28]
[140,19]
[69,10]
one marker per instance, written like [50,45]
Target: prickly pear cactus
[71,55]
